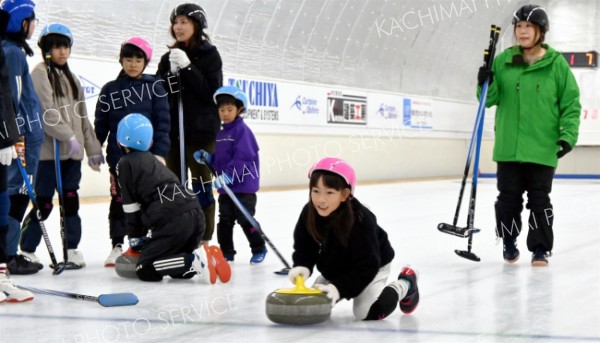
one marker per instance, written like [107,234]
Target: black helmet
[191,10]
[534,14]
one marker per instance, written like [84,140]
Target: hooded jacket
[537,105]
[64,117]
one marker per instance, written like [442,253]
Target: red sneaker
[222,267]
[409,303]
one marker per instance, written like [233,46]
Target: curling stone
[125,264]
[299,305]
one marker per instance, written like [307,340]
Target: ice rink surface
[461,300]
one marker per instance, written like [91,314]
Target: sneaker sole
[513,260]
[539,263]
[109,265]
[222,268]
[212,273]
[19,301]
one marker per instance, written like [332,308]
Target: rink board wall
[387,136]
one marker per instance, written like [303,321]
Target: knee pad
[18,206]
[204,194]
[71,205]
[45,205]
[384,305]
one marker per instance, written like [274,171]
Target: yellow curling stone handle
[299,289]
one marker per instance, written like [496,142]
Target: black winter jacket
[197,82]
[152,194]
[125,95]
[349,269]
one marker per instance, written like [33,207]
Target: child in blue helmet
[236,162]
[154,198]
[30,123]
[131,91]
[66,124]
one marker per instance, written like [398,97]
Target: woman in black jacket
[193,71]
[341,237]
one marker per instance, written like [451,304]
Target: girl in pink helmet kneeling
[341,237]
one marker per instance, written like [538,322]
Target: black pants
[514,179]
[229,214]
[178,238]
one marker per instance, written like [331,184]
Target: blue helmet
[236,93]
[135,132]
[18,10]
[57,29]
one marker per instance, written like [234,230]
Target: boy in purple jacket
[236,161]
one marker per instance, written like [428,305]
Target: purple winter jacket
[236,155]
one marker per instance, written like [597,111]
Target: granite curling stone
[125,264]
[299,305]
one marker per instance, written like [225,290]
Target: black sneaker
[409,303]
[539,258]
[19,265]
[510,253]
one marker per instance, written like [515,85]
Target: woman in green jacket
[537,122]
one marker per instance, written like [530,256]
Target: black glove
[137,243]
[483,74]
[565,148]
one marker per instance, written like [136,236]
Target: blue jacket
[125,95]
[30,120]
[236,155]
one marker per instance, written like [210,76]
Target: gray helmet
[533,14]
[191,10]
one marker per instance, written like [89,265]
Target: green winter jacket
[537,105]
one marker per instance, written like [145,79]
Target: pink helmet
[336,166]
[142,44]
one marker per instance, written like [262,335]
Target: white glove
[161,159]
[7,155]
[73,146]
[95,161]
[178,59]
[294,272]
[331,291]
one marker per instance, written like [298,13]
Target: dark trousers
[200,181]
[45,185]
[229,214]
[116,215]
[514,179]
[176,239]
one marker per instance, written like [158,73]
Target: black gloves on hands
[483,74]
[137,243]
[565,148]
